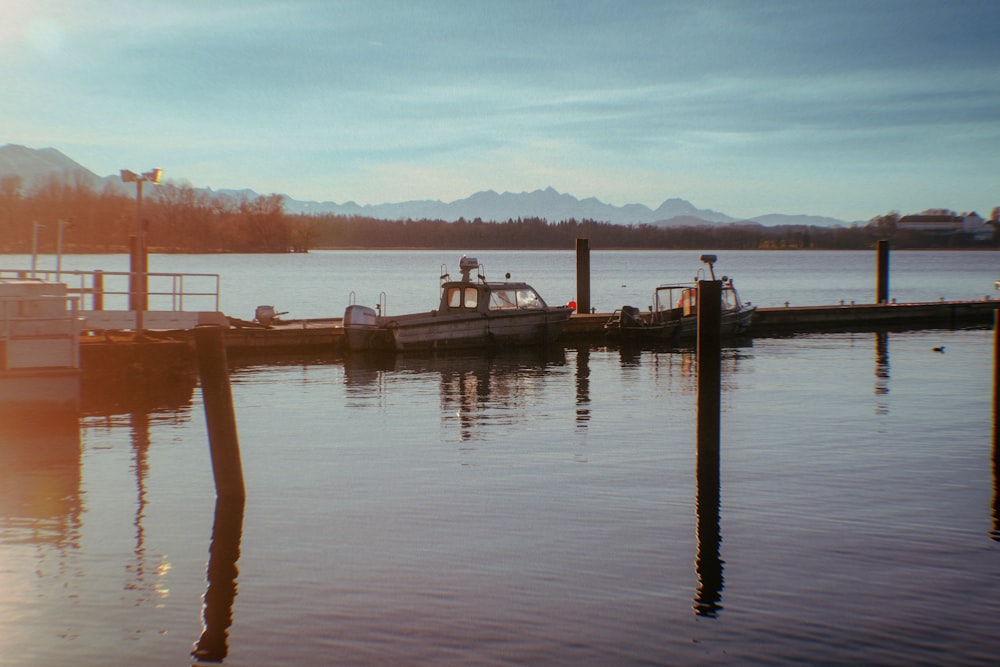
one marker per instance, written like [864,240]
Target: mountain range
[36,167]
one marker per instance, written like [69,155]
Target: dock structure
[39,346]
[770,322]
[119,369]
[325,336]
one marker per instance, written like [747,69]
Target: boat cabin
[465,296]
[688,301]
[469,297]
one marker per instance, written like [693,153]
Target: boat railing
[40,331]
[112,290]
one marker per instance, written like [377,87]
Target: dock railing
[38,332]
[110,290]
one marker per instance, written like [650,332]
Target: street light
[138,258]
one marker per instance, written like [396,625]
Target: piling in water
[223,441]
[583,275]
[708,562]
[882,268]
[97,290]
[709,364]
[995,533]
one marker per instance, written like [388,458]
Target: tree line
[174,219]
[179,218]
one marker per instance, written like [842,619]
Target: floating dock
[325,336]
[770,322]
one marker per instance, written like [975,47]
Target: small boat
[471,314]
[673,315]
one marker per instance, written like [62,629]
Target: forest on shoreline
[182,219]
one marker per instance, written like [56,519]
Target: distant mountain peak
[38,166]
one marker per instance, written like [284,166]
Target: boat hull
[428,331]
[732,323]
[471,314]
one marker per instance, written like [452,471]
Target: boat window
[471,297]
[729,299]
[503,299]
[454,297]
[528,299]
[463,297]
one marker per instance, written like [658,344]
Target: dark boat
[673,315]
[471,314]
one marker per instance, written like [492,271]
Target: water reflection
[139,427]
[995,533]
[40,496]
[476,389]
[582,387]
[708,563]
[676,368]
[224,553]
[881,372]
[131,392]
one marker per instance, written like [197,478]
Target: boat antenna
[710,260]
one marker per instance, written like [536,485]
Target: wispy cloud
[743,107]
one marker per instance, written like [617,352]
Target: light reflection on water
[529,508]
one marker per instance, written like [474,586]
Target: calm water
[535,508]
[321,283]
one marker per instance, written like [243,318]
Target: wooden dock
[168,356]
[770,322]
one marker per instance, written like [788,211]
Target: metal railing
[113,290]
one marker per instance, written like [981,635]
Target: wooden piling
[709,364]
[133,276]
[97,290]
[708,562]
[996,366]
[583,275]
[995,533]
[227,467]
[882,269]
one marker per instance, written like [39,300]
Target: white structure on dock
[176,301]
[39,345]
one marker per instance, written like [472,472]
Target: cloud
[642,99]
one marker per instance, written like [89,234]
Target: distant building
[936,223]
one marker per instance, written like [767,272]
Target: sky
[840,108]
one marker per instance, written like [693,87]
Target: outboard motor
[360,324]
[630,316]
[266,315]
[360,317]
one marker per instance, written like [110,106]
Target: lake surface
[538,507]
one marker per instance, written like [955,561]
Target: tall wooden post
[583,275]
[135,279]
[133,276]
[709,364]
[882,264]
[97,290]
[995,533]
[708,562]
[223,441]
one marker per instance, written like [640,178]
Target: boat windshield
[729,299]
[511,299]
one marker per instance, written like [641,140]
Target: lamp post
[34,246]
[138,294]
[59,249]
